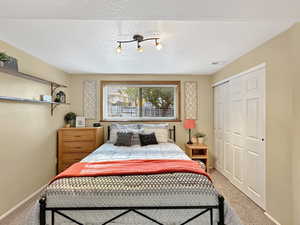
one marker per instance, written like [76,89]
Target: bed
[165,199]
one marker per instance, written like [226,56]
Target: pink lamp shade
[189,124]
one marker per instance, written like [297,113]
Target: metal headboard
[172,133]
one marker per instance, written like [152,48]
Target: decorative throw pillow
[136,137]
[115,128]
[124,139]
[162,134]
[148,139]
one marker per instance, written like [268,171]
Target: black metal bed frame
[172,133]
[135,209]
[58,210]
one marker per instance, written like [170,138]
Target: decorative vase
[194,140]
[200,140]
[67,125]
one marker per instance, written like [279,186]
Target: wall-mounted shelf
[29,77]
[53,87]
[26,100]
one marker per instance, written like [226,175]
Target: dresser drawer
[74,157]
[78,135]
[65,165]
[75,147]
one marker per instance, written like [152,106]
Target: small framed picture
[80,121]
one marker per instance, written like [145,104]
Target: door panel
[239,128]
[228,152]
[228,160]
[219,128]
[238,159]
[254,136]
[252,178]
[252,117]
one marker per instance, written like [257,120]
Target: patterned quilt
[170,189]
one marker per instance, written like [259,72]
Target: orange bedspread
[131,167]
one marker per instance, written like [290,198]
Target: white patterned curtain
[190,99]
[90,99]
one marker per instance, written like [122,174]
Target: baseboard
[22,202]
[271,218]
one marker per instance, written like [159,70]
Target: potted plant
[200,137]
[70,119]
[3,58]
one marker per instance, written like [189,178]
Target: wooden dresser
[76,143]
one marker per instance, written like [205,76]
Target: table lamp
[189,124]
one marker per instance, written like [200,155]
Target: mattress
[170,189]
[143,190]
[110,152]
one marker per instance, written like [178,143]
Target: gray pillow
[136,138]
[124,139]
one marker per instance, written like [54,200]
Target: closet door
[215,126]
[254,136]
[240,132]
[237,118]
[220,129]
[228,152]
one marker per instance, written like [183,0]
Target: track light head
[140,48]
[119,48]
[158,45]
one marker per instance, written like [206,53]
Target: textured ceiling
[79,36]
[89,46]
[151,10]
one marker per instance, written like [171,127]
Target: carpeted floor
[248,211]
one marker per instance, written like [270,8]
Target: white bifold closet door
[219,128]
[239,128]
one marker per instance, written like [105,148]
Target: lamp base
[190,140]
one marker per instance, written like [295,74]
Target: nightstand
[198,152]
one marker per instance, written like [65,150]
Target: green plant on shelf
[199,135]
[70,118]
[4,57]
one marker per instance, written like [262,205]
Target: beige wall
[204,123]
[27,131]
[295,37]
[280,115]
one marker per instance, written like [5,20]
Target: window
[140,100]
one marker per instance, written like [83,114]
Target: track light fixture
[139,38]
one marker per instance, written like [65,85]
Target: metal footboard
[62,212]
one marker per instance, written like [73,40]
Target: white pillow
[155,125]
[135,139]
[161,134]
[116,127]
